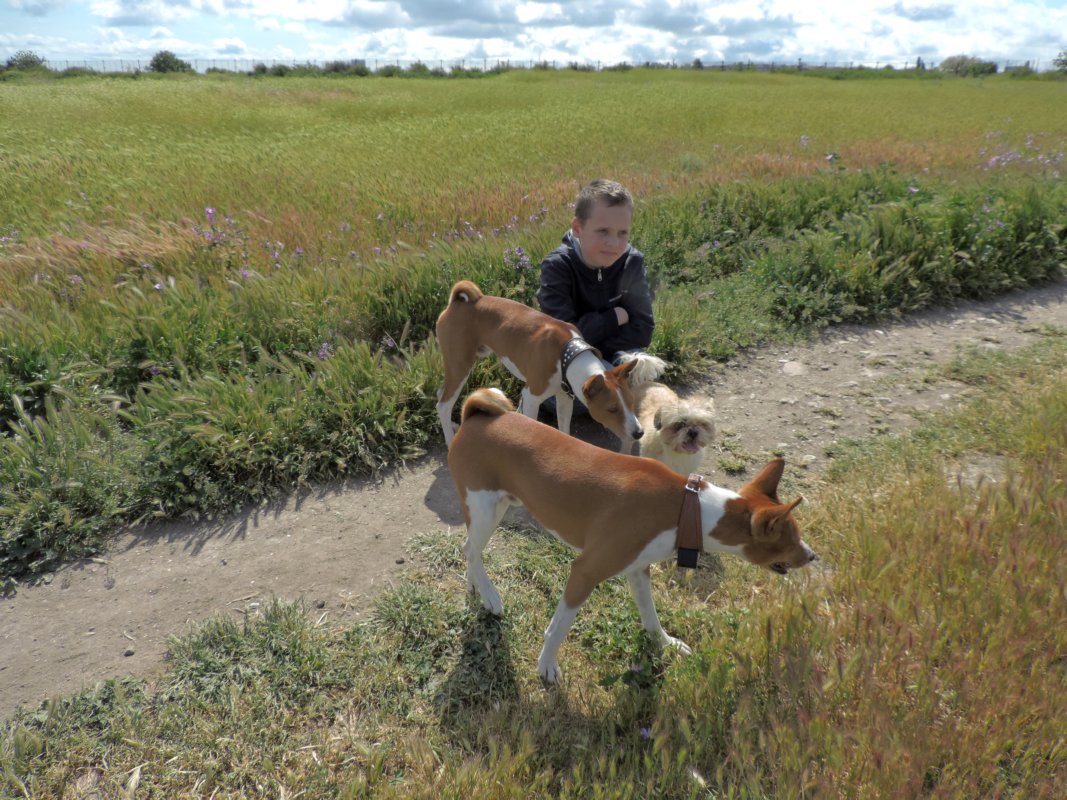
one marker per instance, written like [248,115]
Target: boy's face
[605,235]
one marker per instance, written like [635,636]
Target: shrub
[1025,71]
[166,61]
[968,66]
[25,59]
[1060,61]
[354,67]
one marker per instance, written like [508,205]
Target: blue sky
[606,31]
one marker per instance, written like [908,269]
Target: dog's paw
[550,672]
[491,601]
[490,596]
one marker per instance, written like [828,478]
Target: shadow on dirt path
[337,546]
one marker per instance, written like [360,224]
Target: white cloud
[230,47]
[37,8]
[136,13]
[608,31]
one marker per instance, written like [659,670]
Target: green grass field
[297,158]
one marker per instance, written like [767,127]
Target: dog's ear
[766,481]
[766,521]
[592,387]
[657,421]
[624,370]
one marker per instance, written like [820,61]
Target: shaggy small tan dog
[677,432]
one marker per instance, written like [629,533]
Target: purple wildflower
[646,733]
[517,258]
[325,351]
[76,279]
[209,214]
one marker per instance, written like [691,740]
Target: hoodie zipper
[600,276]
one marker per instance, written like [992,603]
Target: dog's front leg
[641,587]
[564,411]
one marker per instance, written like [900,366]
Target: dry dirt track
[339,545]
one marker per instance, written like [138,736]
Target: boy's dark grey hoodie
[573,292]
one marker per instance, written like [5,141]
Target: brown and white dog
[531,347]
[621,512]
[677,431]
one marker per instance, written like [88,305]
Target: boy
[595,279]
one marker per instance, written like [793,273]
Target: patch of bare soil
[339,545]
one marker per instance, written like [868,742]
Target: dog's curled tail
[464,292]
[648,368]
[486,401]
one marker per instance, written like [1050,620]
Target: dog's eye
[678,426]
[613,409]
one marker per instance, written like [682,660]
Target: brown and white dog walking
[548,355]
[622,513]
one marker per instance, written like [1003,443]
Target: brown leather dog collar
[690,537]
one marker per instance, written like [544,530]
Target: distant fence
[204,65]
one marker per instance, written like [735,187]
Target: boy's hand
[621,315]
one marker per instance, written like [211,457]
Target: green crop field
[216,288]
[298,158]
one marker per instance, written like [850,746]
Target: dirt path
[341,544]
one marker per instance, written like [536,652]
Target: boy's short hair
[610,193]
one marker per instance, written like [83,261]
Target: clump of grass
[901,257]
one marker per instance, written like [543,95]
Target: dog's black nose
[812,557]
[638,434]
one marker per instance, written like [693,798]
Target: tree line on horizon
[166,61]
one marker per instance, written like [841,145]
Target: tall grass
[923,658]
